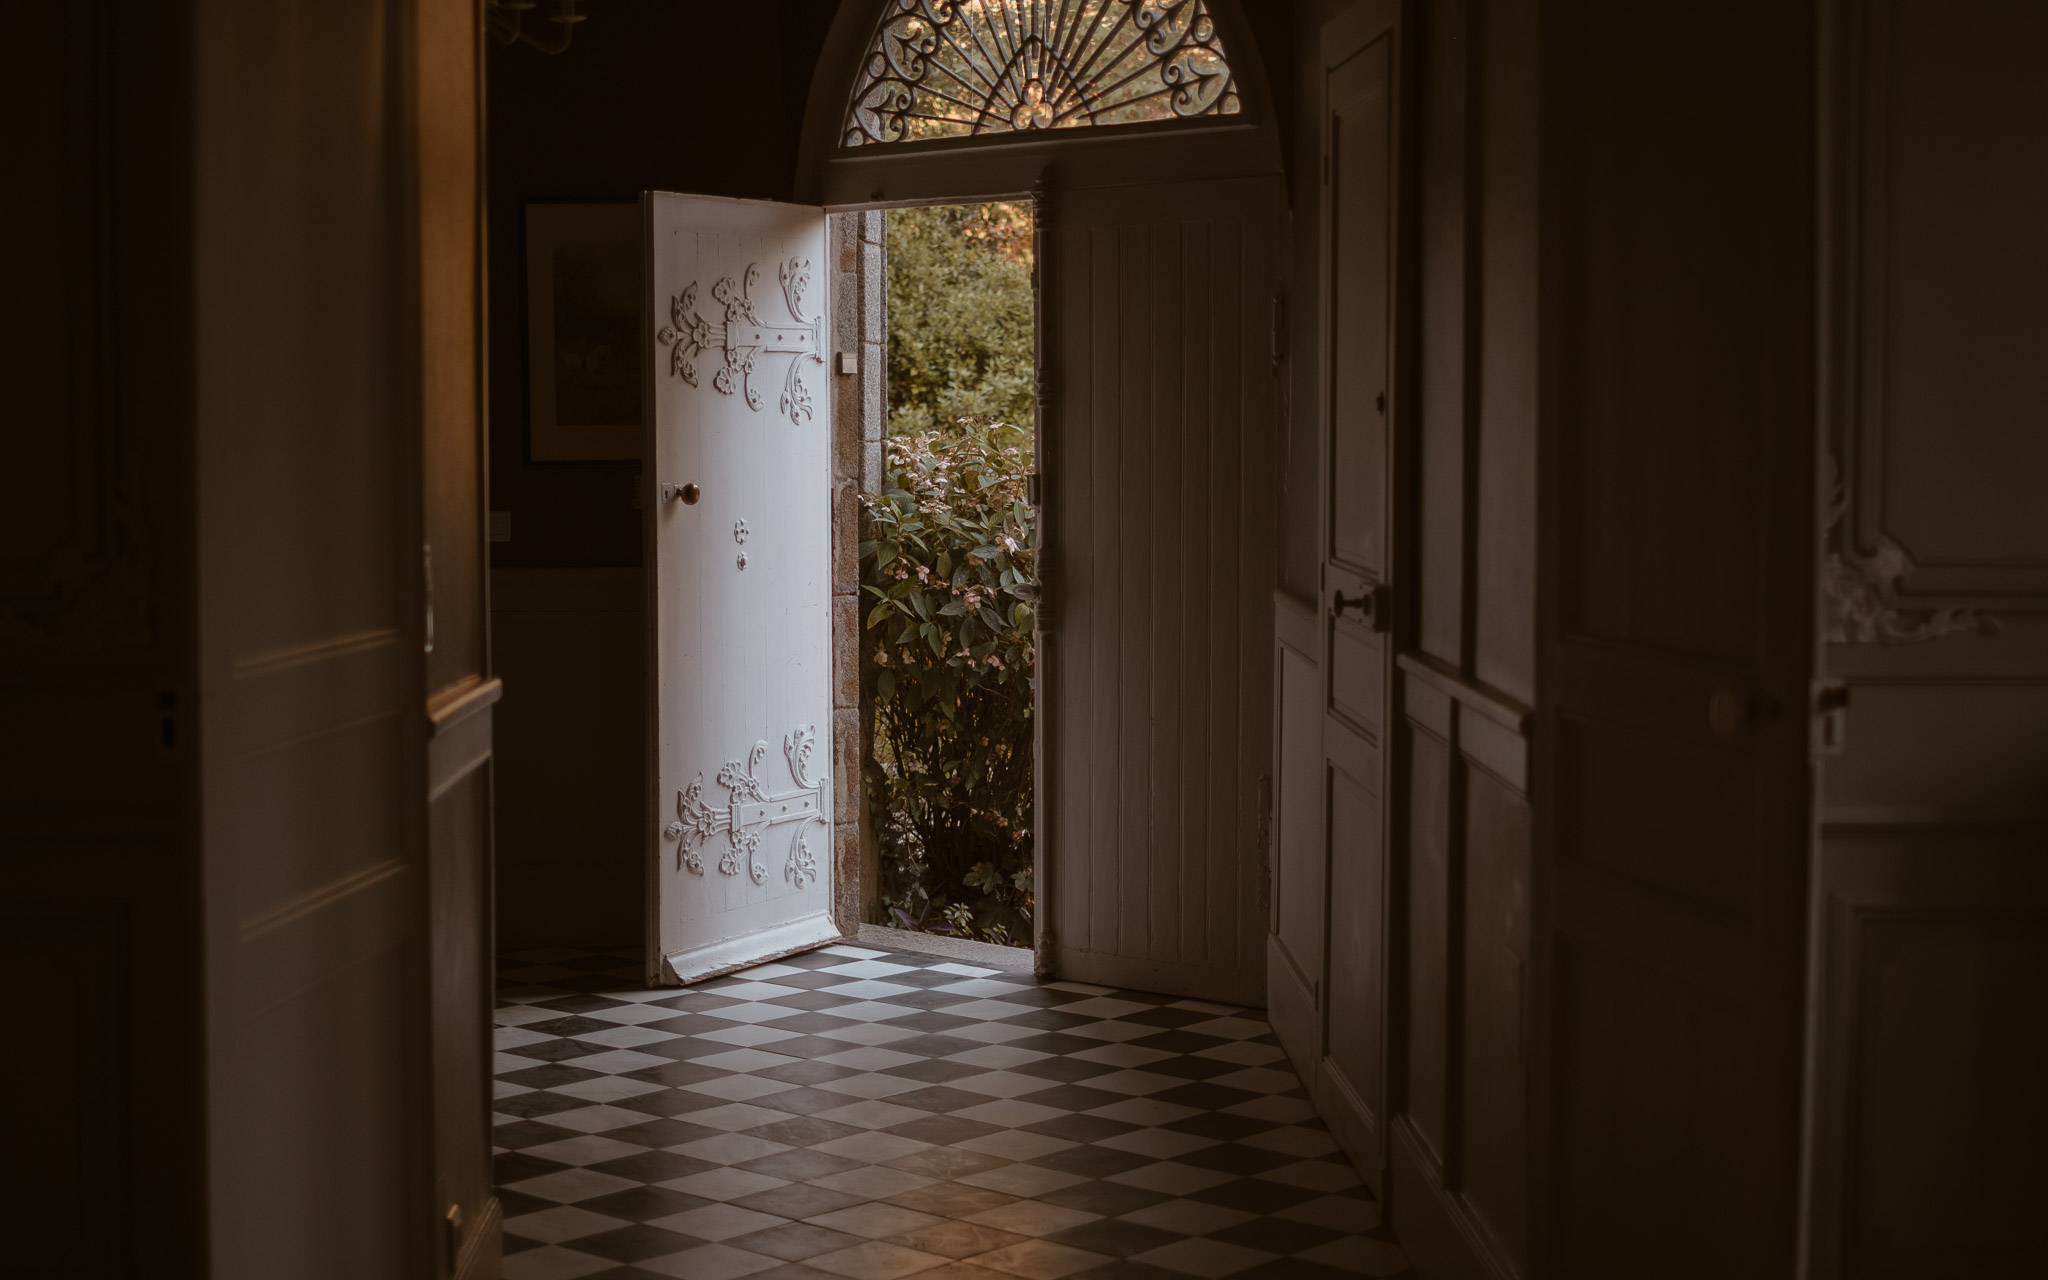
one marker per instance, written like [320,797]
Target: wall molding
[1878,589]
[94,589]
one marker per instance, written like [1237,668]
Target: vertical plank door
[1159,558]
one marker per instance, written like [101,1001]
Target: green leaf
[885,686]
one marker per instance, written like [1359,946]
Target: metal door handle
[689,493]
[1370,603]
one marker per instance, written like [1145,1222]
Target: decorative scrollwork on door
[744,335]
[750,810]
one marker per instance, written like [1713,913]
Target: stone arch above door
[1227,130]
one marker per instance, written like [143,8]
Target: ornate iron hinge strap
[750,811]
[745,335]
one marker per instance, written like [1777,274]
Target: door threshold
[986,954]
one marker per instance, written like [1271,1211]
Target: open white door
[739,558]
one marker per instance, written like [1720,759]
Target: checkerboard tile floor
[857,1114]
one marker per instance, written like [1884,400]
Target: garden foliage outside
[949,568]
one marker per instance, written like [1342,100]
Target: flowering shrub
[949,566]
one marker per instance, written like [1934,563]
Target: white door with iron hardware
[739,562]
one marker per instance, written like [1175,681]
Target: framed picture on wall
[583,353]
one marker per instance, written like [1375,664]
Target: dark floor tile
[570,1026]
[811,960]
[683,1024]
[1111,1236]
[803,1131]
[792,1271]
[1204,1096]
[1254,1195]
[936,1046]
[1189,1066]
[807,1046]
[811,981]
[929,1000]
[806,1071]
[528,1133]
[807,1101]
[809,1000]
[627,1272]
[931,1070]
[654,1166]
[1276,1235]
[548,1076]
[1074,1097]
[1061,1070]
[1021,991]
[938,1023]
[635,1243]
[1167,1017]
[942,1131]
[513,1203]
[798,1200]
[1296,1269]
[1220,1126]
[1095,1162]
[929,978]
[938,1099]
[662,1132]
[1178,1041]
[1235,1157]
[517,1166]
[579,1002]
[672,1104]
[1129,1269]
[1049,1020]
[538,1105]
[1055,1042]
[801,1165]
[1079,1128]
[794,1241]
[952,1199]
[640,1204]
[676,1074]
[1106,1198]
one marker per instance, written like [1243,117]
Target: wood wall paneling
[1932,892]
[570,644]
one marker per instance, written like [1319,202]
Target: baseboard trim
[1291,1009]
[1445,1240]
[1352,1123]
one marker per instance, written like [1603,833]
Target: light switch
[501,526]
[849,364]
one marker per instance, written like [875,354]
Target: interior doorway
[948,563]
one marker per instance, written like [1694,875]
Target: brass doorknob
[689,493]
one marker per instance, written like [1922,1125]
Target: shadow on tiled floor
[855,1113]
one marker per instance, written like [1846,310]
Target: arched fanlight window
[958,68]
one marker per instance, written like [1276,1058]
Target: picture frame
[585,388]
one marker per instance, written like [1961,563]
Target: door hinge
[1034,490]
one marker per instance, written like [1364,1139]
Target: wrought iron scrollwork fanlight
[957,68]
[506,19]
